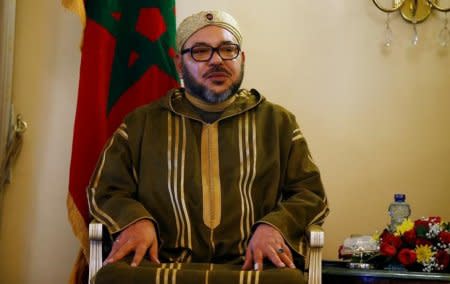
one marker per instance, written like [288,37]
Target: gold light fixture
[415,11]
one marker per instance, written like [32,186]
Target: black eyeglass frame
[214,49]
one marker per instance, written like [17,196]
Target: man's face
[215,80]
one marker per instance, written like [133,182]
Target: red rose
[387,249]
[423,242]
[384,233]
[421,224]
[388,238]
[410,237]
[434,220]
[444,237]
[442,258]
[407,256]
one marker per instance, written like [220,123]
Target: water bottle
[399,210]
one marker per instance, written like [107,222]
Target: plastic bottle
[399,210]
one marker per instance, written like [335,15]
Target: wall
[36,242]
[376,120]
[7,32]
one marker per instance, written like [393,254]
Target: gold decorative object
[12,150]
[415,11]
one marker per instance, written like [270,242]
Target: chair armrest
[314,233]
[95,248]
[316,239]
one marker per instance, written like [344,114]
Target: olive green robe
[207,185]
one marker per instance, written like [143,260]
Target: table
[335,272]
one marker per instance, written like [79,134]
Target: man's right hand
[138,237]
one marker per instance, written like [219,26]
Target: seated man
[209,178]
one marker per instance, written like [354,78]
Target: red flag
[126,62]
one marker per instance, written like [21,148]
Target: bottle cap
[399,197]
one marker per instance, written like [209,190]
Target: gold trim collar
[210,107]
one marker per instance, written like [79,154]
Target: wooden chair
[313,262]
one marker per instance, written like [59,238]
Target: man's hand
[138,237]
[267,242]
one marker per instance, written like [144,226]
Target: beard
[202,92]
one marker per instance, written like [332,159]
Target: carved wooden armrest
[316,239]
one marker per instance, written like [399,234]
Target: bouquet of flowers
[422,245]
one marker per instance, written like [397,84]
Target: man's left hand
[267,242]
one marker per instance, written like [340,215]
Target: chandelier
[414,12]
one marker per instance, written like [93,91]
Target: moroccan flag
[126,62]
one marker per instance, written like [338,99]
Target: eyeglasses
[203,53]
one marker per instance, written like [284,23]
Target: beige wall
[36,242]
[377,121]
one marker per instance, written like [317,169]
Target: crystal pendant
[388,33]
[444,37]
[444,34]
[415,38]
[388,37]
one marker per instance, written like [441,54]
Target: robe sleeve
[303,200]
[113,187]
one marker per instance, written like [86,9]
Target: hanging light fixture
[415,11]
